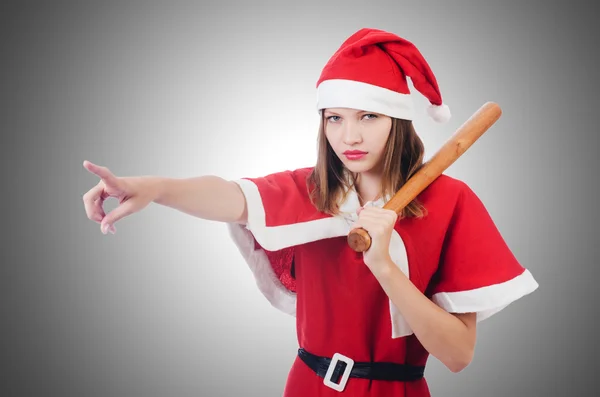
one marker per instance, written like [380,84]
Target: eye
[374,116]
[329,118]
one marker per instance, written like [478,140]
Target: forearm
[443,335]
[207,197]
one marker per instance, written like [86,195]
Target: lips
[354,152]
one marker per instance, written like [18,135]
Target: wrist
[155,186]
[382,269]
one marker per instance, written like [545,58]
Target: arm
[207,197]
[447,336]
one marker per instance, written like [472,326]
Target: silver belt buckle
[344,378]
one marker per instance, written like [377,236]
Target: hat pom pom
[440,113]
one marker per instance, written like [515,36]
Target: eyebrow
[337,114]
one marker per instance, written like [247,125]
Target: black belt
[367,370]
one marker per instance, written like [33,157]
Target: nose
[351,133]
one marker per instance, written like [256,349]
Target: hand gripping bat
[359,239]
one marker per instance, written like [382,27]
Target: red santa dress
[303,265]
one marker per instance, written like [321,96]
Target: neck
[368,187]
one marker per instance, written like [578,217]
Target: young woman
[366,322]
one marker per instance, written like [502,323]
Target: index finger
[98,170]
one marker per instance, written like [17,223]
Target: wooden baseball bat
[359,239]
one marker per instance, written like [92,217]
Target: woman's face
[351,130]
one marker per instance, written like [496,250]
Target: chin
[357,166]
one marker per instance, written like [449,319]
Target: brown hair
[403,156]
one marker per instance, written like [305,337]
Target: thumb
[114,216]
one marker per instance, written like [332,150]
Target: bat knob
[359,240]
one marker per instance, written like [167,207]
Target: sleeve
[273,202]
[477,271]
[266,242]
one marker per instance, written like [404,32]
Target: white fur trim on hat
[339,93]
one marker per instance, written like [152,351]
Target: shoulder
[447,184]
[287,189]
[298,175]
[285,181]
[444,191]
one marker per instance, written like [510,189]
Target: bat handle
[359,240]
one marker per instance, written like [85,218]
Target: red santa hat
[369,71]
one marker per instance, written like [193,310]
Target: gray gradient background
[167,307]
